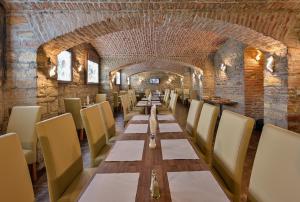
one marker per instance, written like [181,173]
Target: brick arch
[166,65]
[157,70]
[225,25]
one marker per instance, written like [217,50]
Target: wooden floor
[41,190]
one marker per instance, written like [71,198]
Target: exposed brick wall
[163,76]
[51,92]
[230,84]
[2,59]
[254,83]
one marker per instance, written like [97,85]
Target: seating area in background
[217,145]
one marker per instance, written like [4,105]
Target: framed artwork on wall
[64,66]
[92,72]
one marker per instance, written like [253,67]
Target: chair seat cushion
[102,155]
[29,156]
[130,115]
[77,185]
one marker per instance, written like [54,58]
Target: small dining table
[152,159]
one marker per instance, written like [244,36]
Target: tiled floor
[41,190]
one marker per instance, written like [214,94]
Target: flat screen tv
[154,81]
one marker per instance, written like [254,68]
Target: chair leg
[81,134]
[34,172]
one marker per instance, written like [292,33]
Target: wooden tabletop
[152,159]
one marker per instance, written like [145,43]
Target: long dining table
[152,159]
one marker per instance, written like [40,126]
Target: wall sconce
[128,81]
[258,55]
[78,66]
[270,64]
[223,67]
[52,70]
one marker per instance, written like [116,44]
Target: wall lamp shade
[52,71]
[223,67]
[270,64]
[258,55]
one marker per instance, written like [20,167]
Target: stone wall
[276,92]
[140,81]
[52,92]
[230,84]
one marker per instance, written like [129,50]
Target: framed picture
[92,72]
[64,66]
[118,78]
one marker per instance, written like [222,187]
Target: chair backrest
[205,130]
[61,151]
[173,103]
[167,95]
[186,91]
[15,183]
[230,149]
[276,170]
[101,97]
[115,99]
[193,116]
[124,104]
[147,92]
[108,119]
[73,106]
[95,130]
[22,121]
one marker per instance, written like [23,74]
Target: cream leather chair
[147,92]
[22,121]
[15,183]
[95,130]
[205,130]
[101,97]
[109,121]
[230,150]
[193,117]
[131,106]
[276,170]
[127,114]
[116,101]
[63,160]
[73,106]
[172,106]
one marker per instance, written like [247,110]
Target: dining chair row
[275,173]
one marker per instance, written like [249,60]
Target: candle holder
[154,187]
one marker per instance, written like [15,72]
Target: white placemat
[140,118]
[137,128]
[169,128]
[126,150]
[195,186]
[167,117]
[177,149]
[141,104]
[112,187]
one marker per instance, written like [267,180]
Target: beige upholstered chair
[127,114]
[186,95]
[131,106]
[116,101]
[193,116]
[63,160]
[95,130]
[172,105]
[101,97]
[276,171]
[230,150]
[15,183]
[73,106]
[147,92]
[109,122]
[22,121]
[205,130]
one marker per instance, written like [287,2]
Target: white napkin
[195,186]
[112,187]
[177,149]
[126,150]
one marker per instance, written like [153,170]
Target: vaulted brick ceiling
[136,31]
